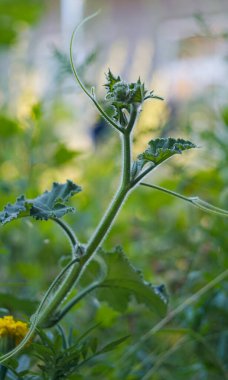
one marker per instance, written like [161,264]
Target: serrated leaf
[138,91]
[122,281]
[111,81]
[161,149]
[51,204]
[13,211]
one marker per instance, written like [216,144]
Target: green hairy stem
[99,234]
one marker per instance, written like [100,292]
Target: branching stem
[142,175]
[73,302]
[102,230]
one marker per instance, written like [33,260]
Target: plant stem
[99,234]
[74,244]
[106,221]
[195,201]
[73,302]
[104,226]
[133,117]
[69,233]
[58,297]
[91,96]
[126,148]
[78,269]
[170,192]
[126,158]
[142,175]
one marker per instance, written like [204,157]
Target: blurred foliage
[59,358]
[15,15]
[170,241]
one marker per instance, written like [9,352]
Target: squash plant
[109,275]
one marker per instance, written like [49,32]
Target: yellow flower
[11,332]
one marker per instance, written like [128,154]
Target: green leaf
[51,204]
[41,350]
[122,281]
[111,81]
[161,149]
[138,91]
[111,346]
[17,210]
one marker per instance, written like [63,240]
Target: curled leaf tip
[51,204]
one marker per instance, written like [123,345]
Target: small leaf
[138,91]
[51,204]
[111,81]
[87,332]
[111,346]
[163,148]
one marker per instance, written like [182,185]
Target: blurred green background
[49,132]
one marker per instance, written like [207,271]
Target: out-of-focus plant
[106,273]
[15,15]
